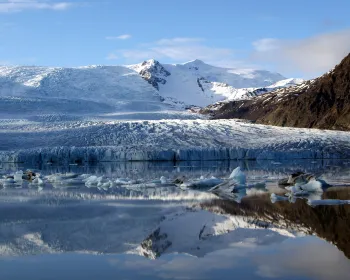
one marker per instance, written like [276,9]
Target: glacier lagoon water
[150,229]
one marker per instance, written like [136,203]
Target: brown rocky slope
[321,103]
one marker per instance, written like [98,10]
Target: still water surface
[149,228]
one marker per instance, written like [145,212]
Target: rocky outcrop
[154,73]
[321,103]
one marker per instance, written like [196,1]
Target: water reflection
[153,230]
[331,223]
[302,258]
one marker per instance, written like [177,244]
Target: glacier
[164,140]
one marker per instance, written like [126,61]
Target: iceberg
[238,176]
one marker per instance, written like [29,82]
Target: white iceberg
[238,176]
[18,176]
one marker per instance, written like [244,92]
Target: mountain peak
[195,62]
[150,62]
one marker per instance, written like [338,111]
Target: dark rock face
[321,103]
[155,244]
[154,73]
[199,82]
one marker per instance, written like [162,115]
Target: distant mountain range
[320,103]
[200,84]
[147,86]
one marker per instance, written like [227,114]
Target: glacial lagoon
[146,220]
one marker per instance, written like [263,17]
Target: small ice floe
[235,187]
[66,180]
[16,180]
[255,191]
[327,202]
[201,183]
[105,185]
[275,198]
[18,176]
[8,182]
[93,181]
[161,181]
[126,181]
[289,197]
[61,177]
[238,176]
[237,180]
[37,181]
[101,183]
[313,186]
[298,178]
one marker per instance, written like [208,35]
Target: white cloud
[9,6]
[112,56]
[120,37]
[311,56]
[178,50]
[266,44]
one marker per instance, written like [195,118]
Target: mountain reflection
[331,223]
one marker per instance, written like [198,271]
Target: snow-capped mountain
[148,86]
[200,84]
[98,83]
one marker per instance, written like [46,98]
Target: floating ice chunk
[204,183]
[314,196]
[92,181]
[121,181]
[312,186]
[238,176]
[126,181]
[236,182]
[38,181]
[294,189]
[18,176]
[255,192]
[163,180]
[105,185]
[9,182]
[327,202]
[62,177]
[275,198]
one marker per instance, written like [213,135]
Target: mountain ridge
[320,103]
[194,83]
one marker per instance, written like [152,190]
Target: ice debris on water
[202,183]
[235,187]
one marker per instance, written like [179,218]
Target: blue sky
[295,38]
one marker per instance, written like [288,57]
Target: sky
[299,38]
